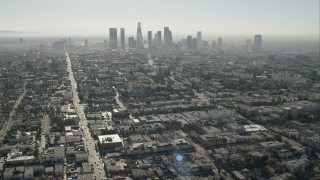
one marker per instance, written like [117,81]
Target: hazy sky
[237,17]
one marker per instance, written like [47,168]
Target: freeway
[94,157]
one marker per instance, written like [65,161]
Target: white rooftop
[111,138]
[253,128]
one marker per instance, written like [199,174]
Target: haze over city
[145,89]
[230,17]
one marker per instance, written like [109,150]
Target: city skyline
[147,89]
[290,18]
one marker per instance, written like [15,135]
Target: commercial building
[194,44]
[257,44]
[139,37]
[189,42]
[122,37]
[159,40]
[149,39]
[199,38]
[132,42]
[109,143]
[113,41]
[167,41]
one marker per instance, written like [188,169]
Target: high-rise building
[139,37]
[132,42]
[257,44]
[140,44]
[194,43]
[199,38]
[122,37]
[113,40]
[155,40]
[149,39]
[139,28]
[159,40]
[167,37]
[189,42]
[220,47]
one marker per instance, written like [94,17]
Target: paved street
[45,125]
[120,104]
[94,157]
[7,125]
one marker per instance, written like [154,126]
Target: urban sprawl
[159,109]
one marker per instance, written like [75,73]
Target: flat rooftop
[253,128]
[111,138]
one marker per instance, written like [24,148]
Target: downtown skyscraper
[257,43]
[113,41]
[159,40]
[139,37]
[199,40]
[149,39]
[189,42]
[122,37]
[167,37]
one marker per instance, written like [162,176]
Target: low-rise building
[111,142]
[297,164]
[53,154]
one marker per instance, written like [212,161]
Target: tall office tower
[189,42]
[194,43]
[149,39]
[132,42]
[214,45]
[159,40]
[122,37]
[113,40]
[139,28]
[155,40]
[220,47]
[257,44]
[139,37]
[199,42]
[167,37]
